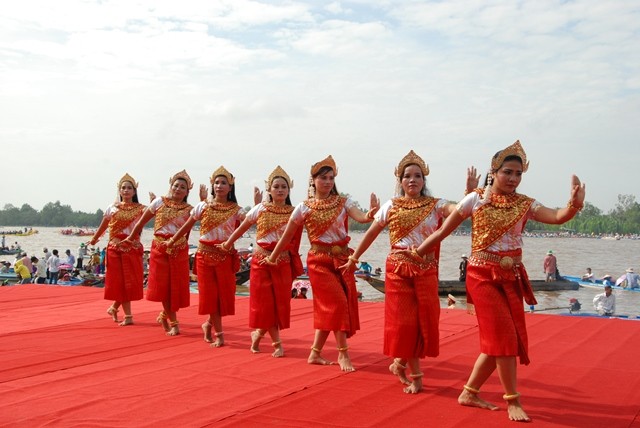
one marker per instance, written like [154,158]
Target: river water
[603,256]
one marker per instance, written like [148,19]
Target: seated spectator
[632,279]
[588,276]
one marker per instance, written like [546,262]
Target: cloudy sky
[92,89]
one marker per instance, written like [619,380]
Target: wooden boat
[242,276]
[458,288]
[8,252]
[598,284]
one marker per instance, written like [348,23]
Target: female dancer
[270,297]
[124,279]
[335,302]
[496,278]
[216,268]
[412,306]
[168,267]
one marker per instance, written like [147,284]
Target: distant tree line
[623,219]
[52,214]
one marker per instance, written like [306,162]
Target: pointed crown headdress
[184,176]
[412,159]
[278,172]
[223,172]
[513,150]
[328,161]
[128,178]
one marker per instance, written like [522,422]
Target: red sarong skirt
[270,294]
[169,276]
[411,311]
[216,284]
[124,276]
[335,299]
[497,296]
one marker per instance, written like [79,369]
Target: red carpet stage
[63,362]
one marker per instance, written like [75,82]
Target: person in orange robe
[124,277]
[168,280]
[270,286]
[497,281]
[335,300]
[412,305]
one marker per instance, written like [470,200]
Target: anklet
[343,349]
[218,334]
[275,344]
[313,348]
[510,397]
[397,363]
[471,389]
[174,323]
[128,316]
[416,376]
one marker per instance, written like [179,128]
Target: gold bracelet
[369,215]
[353,259]
[573,207]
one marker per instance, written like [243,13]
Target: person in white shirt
[40,275]
[588,276]
[53,264]
[605,303]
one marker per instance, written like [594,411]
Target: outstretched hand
[347,266]
[473,179]
[257,196]
[374,205]
[203,192]
[578,191]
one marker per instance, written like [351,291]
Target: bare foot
[128,320]
[206,328]
[174,330]
[472,400]
[114,313]
[255,341]
[162,319]
[416,385]
[397,369]
[345,362]
[219,340]
[316,358]
[516,412]
[279,350]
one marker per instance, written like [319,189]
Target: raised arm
[562,215]
[103,226]
[286,238]
[240,230]
[185,229]
[368,238]
[146,216]
[365,217]
[445,230]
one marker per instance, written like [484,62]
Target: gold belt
[505,262]
[334,250]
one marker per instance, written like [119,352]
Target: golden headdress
[128,178]
[278,172]
[412,159]
[328,161]
[184,176]
[513,150]
[223,172]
